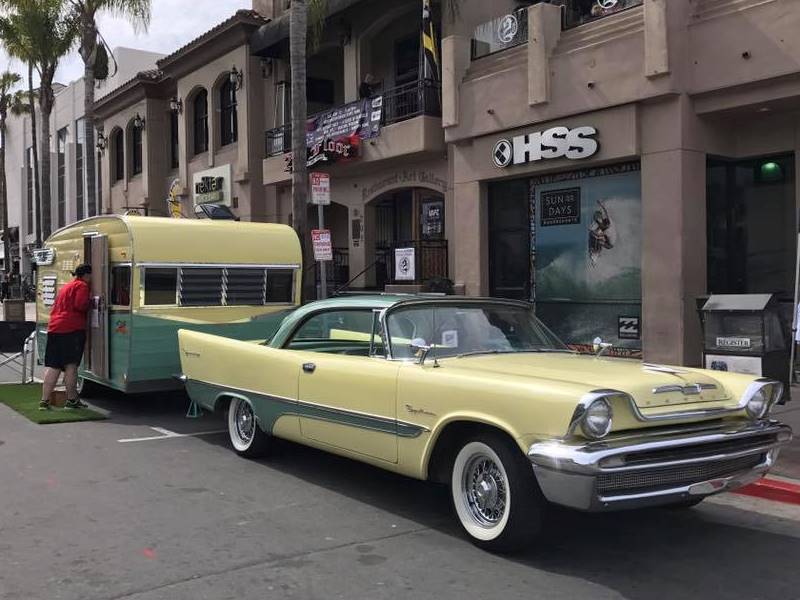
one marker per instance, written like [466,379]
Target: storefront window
[751,226]
[510,239]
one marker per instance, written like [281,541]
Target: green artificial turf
[25,398]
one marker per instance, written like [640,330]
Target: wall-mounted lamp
[176,105]
[236,78]
[138,121]
[102,141]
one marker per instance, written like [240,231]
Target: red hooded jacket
[69,311]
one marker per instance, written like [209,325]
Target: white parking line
[166,434]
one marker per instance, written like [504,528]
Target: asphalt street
[85,516]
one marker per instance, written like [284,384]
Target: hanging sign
[49,290]
[212,186]
[321,242]
[174,199]
[404,264]
[320,188]
[44,257]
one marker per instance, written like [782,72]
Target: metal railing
[501,33]
[337,271]
[579,12]
[420,97]
[430,261]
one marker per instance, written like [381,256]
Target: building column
[468,239]
[673,254]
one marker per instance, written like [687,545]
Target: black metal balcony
[414,99]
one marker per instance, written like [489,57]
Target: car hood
[651,386]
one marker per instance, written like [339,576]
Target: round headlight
[758,405]
[596,421]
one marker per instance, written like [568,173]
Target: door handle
[309,367]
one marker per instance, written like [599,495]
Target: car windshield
[457,330]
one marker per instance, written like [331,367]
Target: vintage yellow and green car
[479,394]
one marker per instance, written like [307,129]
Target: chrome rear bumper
[656,468]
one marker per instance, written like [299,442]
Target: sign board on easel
[404,264]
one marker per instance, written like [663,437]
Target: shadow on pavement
[646,554]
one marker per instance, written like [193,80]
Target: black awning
[266,40]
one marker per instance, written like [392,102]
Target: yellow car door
[346,394]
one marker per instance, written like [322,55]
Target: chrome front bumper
[656,468]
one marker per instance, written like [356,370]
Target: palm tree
[138,13]
[8,80]
[40,32]
[298,46]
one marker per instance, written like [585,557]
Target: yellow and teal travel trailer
[152,276]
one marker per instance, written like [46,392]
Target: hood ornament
[600,347]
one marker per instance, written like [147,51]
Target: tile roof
[243,16]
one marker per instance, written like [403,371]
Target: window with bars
[200,118]
[218,286]
[228,116]
[136,149]
[80,143]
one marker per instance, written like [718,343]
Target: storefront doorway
[337,272]
[752,230]
[409,218]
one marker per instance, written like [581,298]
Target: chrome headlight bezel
[760,396]
[586,411]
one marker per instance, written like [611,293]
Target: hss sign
[557,142]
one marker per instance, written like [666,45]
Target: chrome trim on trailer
[656,467]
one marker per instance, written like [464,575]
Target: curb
[777,490]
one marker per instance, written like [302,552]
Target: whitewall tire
[495,495]
[246,436]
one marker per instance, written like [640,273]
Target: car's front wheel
[247,438]
[495,494]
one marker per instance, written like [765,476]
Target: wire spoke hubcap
[245,422]
[485,490]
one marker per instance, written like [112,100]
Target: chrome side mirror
[420,347]
[599,346]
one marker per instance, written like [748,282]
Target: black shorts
[64,349]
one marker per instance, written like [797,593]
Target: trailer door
[98,312]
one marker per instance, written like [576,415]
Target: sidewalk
[789,462]
[9,374]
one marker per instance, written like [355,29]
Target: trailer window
[245,287]
[160,286]
[121,286]
[280,286]
[201,286]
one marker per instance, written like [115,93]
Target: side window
[280,286]
[160,286]
[343,331]
[201,286]
[121,286]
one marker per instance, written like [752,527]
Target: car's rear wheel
[495,494]
[246,436]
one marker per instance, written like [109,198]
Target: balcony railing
[430,261]
[579,12]
[414,99]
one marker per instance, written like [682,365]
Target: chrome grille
[648,480]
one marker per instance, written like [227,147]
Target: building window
[228,116]
[200,115]
[98,161]
[118,154]
[136,150]
[80,144]
[29,195]
[61,166]
[173,137]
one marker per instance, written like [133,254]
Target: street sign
[321,241]
[404,264]
[320,188]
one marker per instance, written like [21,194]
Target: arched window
[228,118]
[135,149]
[118,146]
[200,115]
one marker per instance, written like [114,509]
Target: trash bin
[744,333]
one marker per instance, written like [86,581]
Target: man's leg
[71,381]
[48,385]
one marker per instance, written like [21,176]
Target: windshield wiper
[517,351]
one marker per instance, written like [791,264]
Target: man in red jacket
[66,337]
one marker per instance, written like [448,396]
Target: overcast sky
[174,23]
